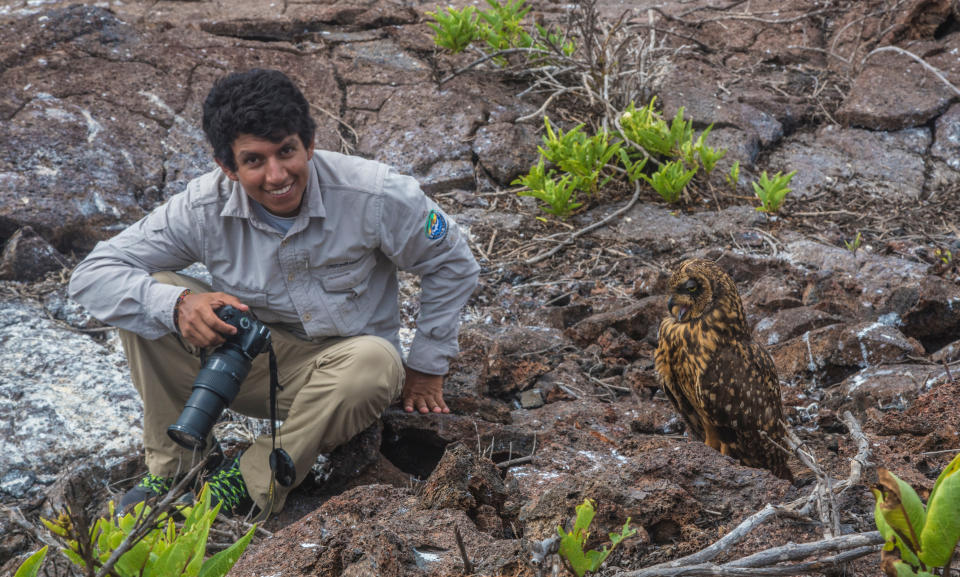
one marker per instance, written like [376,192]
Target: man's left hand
[423,392]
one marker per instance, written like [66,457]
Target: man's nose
[275,172]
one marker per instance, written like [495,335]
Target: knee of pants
[367,369]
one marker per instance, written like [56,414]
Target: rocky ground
[554,398]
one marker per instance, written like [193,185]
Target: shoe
[228,488]
[151,487]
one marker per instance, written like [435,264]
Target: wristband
[176,308]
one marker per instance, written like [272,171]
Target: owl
[724,385]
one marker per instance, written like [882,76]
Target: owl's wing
[671,388]
[740,388]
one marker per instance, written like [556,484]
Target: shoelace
[155,483]
[227,487]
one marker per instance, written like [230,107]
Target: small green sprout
[853,245]
[771,192]
[733,177]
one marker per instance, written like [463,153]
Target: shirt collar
[238,203]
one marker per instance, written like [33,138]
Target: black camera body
[219,380]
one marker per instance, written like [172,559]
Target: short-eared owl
[724,385]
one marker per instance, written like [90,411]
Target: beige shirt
[334,273]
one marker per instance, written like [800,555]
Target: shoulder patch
[436,225]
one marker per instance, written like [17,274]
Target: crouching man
[307,242]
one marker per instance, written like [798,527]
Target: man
[310,243]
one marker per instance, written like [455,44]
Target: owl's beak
[680,313]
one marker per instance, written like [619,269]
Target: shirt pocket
[349,277]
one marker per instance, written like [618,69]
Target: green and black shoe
[151,488]
[228,488]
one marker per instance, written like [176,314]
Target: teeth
[280,191]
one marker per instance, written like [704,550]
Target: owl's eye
[691,286]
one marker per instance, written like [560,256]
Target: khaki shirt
[333,274]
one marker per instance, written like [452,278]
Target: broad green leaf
[952,468]
[941,531]
[902,508]
[31,566]
[221,563]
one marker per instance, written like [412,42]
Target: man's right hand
[198,321]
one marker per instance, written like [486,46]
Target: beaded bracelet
[176,308]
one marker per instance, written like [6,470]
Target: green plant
[733,177]
[709,157]
[165,550]
[571,543]
[771,192]
[945,256]
[918,539]
[456,29]
[669,180]
[578,154]
[500,26]
[559,196]
[31,566]
[853,245]
[648,130]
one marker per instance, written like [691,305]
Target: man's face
[274,174]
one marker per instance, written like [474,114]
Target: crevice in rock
[414,451]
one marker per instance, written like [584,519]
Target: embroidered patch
[436,227]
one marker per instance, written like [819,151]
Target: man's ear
[230,174]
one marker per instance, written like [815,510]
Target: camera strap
[281,464]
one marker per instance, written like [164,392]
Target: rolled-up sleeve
[420,238]
[113,282]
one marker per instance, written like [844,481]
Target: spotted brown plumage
[724,385]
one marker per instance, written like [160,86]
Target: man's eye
[287,150]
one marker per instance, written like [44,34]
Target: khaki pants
[331,391]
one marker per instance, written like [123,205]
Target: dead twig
[467,565]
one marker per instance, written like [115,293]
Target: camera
[219,380]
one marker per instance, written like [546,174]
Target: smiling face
[275,174]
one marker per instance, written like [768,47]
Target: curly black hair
[262,103]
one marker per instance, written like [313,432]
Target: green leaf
[941,531]
[902,509]
[31,566]
[222,562]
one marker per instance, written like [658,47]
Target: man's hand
[423,392]
[198,321]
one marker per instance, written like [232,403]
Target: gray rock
[64,397]
[887,387]
[506,150]
[837,160]
[894,92]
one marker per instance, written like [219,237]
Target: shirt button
[290,276]
[306,316]
[283,242]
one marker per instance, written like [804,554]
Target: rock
[886,387]
[531,399]
[441,130]
[894,92]
[64,398]
[28,257]
[789,323]
[772,294]
[506,150]
[638,321]
[470,483]
[378,530]
[378,62]
[832,353]
[945,153]
[447,175]
[842,160]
